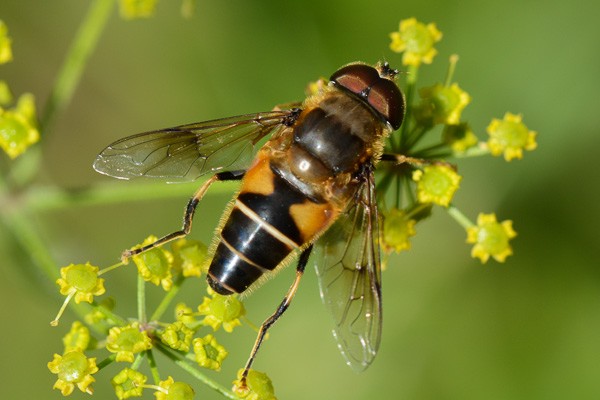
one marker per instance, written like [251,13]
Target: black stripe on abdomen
[230,273]
[249,247]
[252,239]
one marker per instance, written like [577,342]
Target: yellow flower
[258,386]
[209,353]
[5,41]
[491,238]
[189,256]
[510,137]
[78,337]
[6,96]
[441,104]
[155,264]
[127,341]
[221,311]
[398,228]
[416,40]
[128,383]
[177,336]
[82,280]
[132,9]
[186,315]
[73,369]
[459,137]
[171,390]
[18,127]
[436,184]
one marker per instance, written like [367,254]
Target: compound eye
[357,78]
[387,99]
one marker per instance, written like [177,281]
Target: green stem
[107,361]
[108,269]
[84,43]
[398,194]
[414,136]
[153,367]
[183,364]
[166,301]
[138,360]
[451,69]
[31,243]
[46,198]
[460,217]
[427,152]
[141,299]
[116,319]
[411,81]
[481,150]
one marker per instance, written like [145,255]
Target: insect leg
[302,261]
[189,213]
[413,161]
[402,159]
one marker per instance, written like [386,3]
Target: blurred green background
[453,328]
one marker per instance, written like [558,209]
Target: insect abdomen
[270,218]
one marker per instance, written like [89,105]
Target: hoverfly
[310,185]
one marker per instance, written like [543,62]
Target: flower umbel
[510,137]
[73,369]
[209,353]
[416,40]
[491,238]
[127,341]
[129,383]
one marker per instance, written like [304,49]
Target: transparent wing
[186,152]
[349,271]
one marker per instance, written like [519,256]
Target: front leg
[188,215]
[412,161]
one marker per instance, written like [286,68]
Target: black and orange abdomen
[297,186]
[269,219]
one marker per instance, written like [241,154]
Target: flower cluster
[131,340]
[425,177]
[18,125]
